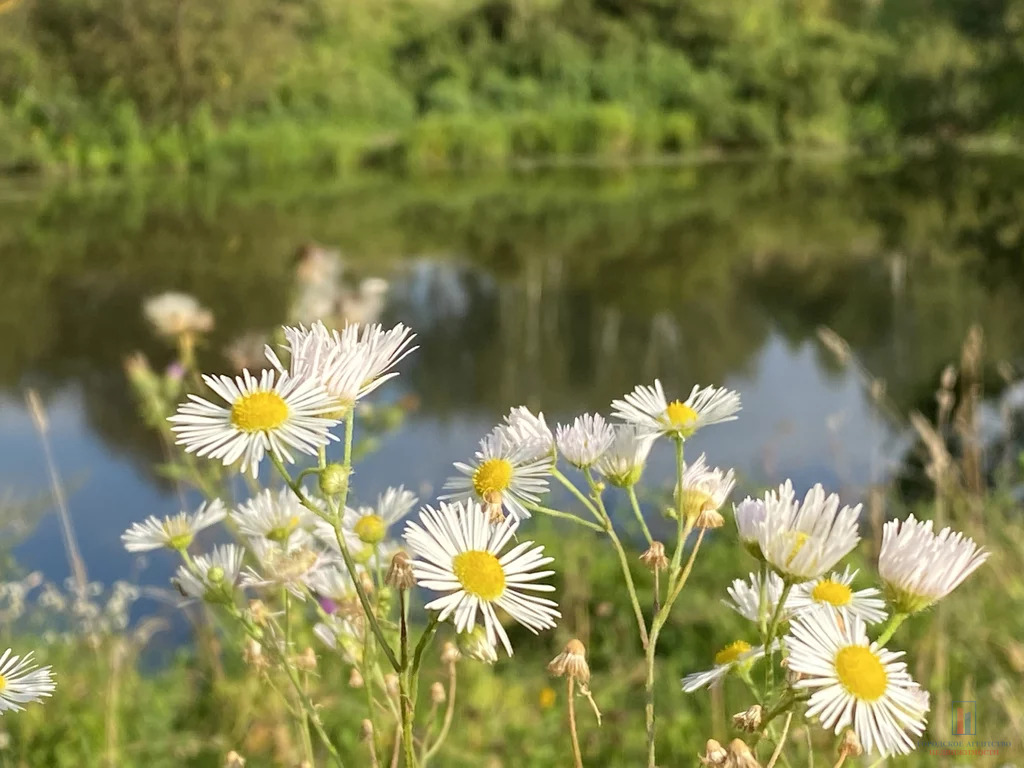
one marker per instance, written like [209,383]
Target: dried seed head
[234,760]
[714,755]
[366,730]
[450,654]
[400,574]
[740,755]
[391,684]
[306,660]
[655,558]
[710,518]
[259,613]
[355,679]
[252,654]
[571,662]
[750,720]
[437,694]
[948,379]
[850,745]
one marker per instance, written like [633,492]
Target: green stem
[571,486]
[891,626]
[623,560]
[350,564]
[405,697]
[681,532]
[769,637]
[421,646]
[304,699]
[639,515]
[762,604]
[656,625]
[564,516]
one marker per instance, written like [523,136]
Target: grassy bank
[88,86]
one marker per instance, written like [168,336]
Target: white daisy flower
[529,432]
[919,567]
[341,635]
[835,592]
[855,682]
[585,440]
[172,314]
[704,489]
[285,565]
[648,409]
[332,582]
[623,461]
[370,524]
[275,515]
[746,597]
[802,540]
[458,552]
[503,473]
[349,364]
[215,575]
[22,682]
[262,415]
[733,655]
[749,516]
[174,532]
[325,532]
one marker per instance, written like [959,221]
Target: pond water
[559,290]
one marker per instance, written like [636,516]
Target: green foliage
[260,86]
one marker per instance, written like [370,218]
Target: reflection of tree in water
[562,289]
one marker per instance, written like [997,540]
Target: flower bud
[366,730]
[475,645]
[334,479]
[355,679]
[437,694]
[450,654]
[391,684]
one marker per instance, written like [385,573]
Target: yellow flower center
[259,412]
[479,573]
[492,476]
[829,591]
[680,415]
[731,652]
[215,575]
[370,529]
[861,672]
[800,539]
[282,532]
[3,682]
[695,502]
[178,531]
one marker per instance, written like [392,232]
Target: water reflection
[561,290]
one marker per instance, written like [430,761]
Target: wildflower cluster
[302,547]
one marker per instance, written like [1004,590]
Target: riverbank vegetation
[259,86]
